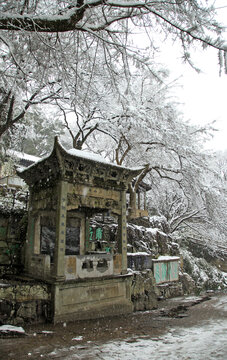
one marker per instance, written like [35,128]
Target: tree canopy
[85,60]
[49,48]
[191,19]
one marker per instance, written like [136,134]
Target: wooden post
[59,250]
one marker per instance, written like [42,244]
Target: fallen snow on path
[196,343]
[11,328]
[78,338]
[204,342]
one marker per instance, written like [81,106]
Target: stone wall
[13,229]
[24,302]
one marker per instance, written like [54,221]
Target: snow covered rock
[144,291]
[10,330]
[188,284]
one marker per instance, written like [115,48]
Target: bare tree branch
[10,120]
[188,216]
[119,160]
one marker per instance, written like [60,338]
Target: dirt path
[103,338]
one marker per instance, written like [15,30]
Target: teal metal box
[166,269]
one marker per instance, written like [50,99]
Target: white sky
[204,95]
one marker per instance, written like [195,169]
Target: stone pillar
[85,237]
[145,200]
[122,230]
[29,246]
[59,250]
[138,199]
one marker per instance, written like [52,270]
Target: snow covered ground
[200,335]
[207,341]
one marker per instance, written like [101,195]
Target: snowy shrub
[205,275]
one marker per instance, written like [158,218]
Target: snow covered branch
[8,115]
[97,15]
[40,23]
[183,218]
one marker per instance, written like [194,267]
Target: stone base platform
[91,298]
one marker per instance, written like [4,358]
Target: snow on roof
[23,156]
[87,155]
[167,258]
[95,157]
[84,154]
[139,253]
[21,168]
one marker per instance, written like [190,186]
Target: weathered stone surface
[92,298]
[18,313]
[160,222]
[144,291]
[142,221]
[188,284]
[139,261]
[220,263]
[170,290]
[21,292]
[12,236]
[27,310]
[24,303]
[162,240]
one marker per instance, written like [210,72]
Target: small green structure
[166,269]
[66,189]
